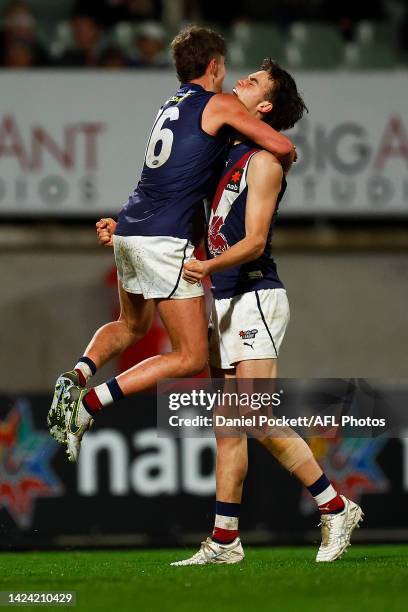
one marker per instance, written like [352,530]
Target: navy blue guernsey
[227,227]
[181,168]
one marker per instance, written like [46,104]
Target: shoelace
[206,547]
[207,550]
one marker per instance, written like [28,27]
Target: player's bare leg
[136,315]
[232,453]
[289,449]
[135,319]
[231,468]
[225,546]
[232,461]
[186,325]
[339,516]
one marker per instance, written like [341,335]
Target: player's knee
[291,451]
[133,328]
[193,363]
[138,328]
[142,327]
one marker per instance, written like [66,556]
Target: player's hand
[105,228]
[289,160]
[195,270]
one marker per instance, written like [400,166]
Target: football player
[250,314]
[153,237]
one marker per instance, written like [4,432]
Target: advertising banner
[73,144]
[133,487]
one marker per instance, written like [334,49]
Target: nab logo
[235,180]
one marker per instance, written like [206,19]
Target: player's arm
[264,180]
[226,109]
[105,228]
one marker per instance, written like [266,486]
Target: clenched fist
[195,270]
[105,228]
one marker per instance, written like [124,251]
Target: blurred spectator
[403,35]
[110,12]
[19,45]
[289,11]
[88,43]
[284,12]
[214,11]
[19,54]
[113,58]
[403,31]
[348,13]
[279,11]
[150,46]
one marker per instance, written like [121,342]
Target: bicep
[263,189]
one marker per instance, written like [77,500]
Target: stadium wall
[348,314]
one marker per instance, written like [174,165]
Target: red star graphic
[8,430]
[25,473]
[236,176]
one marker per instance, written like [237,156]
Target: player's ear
[213,66]
[265,107]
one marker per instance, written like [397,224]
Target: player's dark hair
[288,104]
[193,49]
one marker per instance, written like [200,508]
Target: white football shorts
[248,326]
[153,266]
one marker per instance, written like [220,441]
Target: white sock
[85,370]
[325,496]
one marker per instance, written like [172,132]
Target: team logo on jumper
[25,472]
[248,335]
[235,180]
[217,243]
[176,99]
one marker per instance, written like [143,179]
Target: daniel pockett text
[265,407]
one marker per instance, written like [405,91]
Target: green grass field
[372,578]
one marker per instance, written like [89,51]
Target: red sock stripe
[334,505]
[91,401]
[224,535]
[82,379]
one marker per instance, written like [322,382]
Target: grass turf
[372,578]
